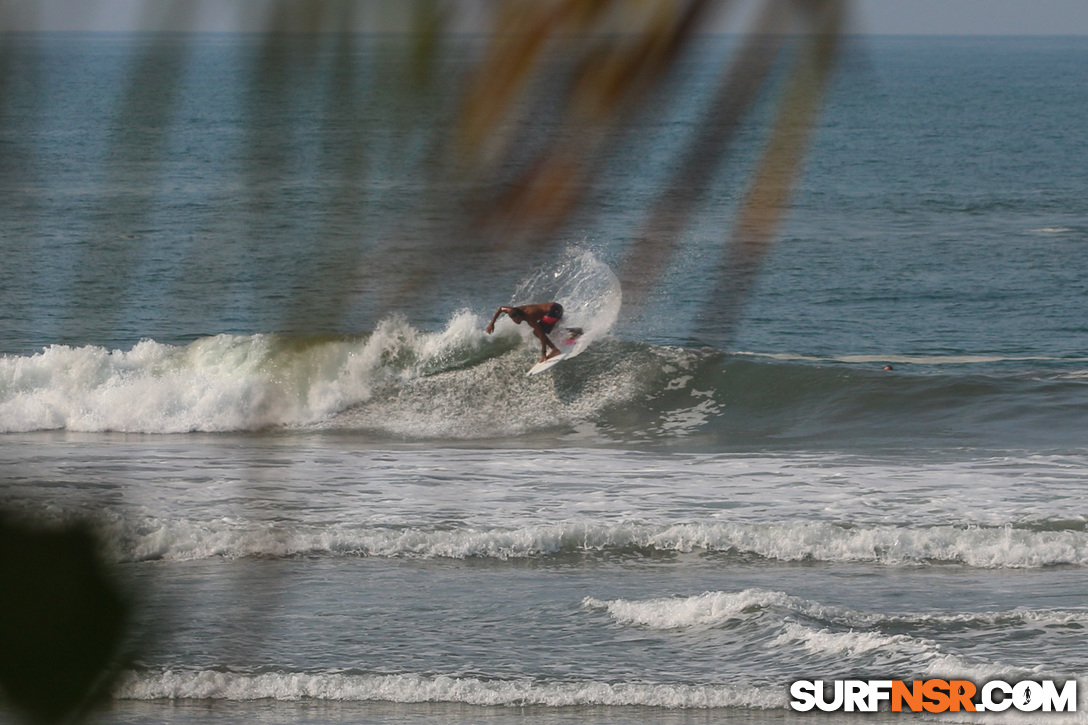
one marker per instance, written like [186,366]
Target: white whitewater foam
[488,400]
[706,609]
[826,642]
[991,548]
[410,688]
[716,608]
[221,383]
[212,384]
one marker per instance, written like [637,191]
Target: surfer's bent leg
[545,343]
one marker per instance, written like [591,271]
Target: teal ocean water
[341,501]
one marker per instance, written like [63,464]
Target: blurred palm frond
[507,115]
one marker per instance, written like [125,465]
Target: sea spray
[586,287]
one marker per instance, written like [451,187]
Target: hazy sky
[973,17]
[954,17]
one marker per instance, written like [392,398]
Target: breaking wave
[413,688]
[714,609]
[400,382]
[1003,547]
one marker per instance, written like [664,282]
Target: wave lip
[413,688]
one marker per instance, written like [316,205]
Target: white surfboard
[569,341]
[547,364]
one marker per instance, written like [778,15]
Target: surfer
[541,317]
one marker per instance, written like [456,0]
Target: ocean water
[337,500]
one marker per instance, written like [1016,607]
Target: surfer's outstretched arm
[500,311]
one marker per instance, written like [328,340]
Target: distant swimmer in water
[542,318]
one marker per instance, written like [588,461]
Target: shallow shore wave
[406,688]
[1002,547]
